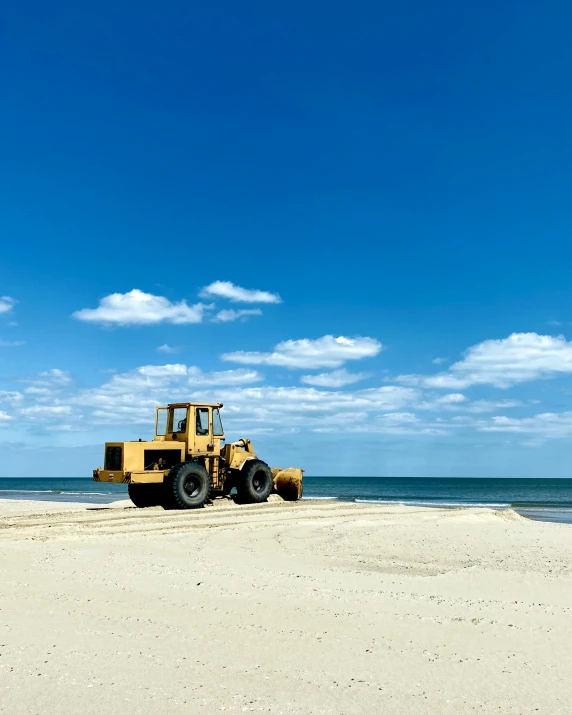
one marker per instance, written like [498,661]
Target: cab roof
[195,404]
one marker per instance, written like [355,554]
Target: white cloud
[327,352]
[130,398]
[4,417]
[439,360]
[224,377]
[44,387]
[336,378]
[167,349]
[40,412]
[133,396]
[453,398]
[394,423]
[11,343]
[491,405]
[63,428]
[236,294]
[7,303]
[308,407]
[11,397]
[139,308]
[53,378]
[455,402]
[38,391]
[400,417]
[226,316]
[545,425]
[159,375]
[161,371]
[521,357]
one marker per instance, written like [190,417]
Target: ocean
[543,499]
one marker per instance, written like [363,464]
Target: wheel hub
[191,487]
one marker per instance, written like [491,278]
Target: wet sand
[315,607]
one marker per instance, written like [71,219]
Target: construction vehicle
[187,464]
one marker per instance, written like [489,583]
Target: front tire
[144,495]
[254,482]
[188,486]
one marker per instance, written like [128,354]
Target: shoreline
[539,512]
[539,500]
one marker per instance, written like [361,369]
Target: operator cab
[198,424]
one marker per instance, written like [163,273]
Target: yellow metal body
[187,431]
[288,482]
[132,467]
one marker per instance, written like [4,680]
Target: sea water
[544,499]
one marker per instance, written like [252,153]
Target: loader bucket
[288,483]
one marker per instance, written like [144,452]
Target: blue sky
[384,187]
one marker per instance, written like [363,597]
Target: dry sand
[317,607]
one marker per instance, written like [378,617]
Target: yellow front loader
[188,464]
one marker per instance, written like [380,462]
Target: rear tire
[254,482]
[187,486]
[144,495]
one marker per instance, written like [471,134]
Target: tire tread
[172,496]
[245,491]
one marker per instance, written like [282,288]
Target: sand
[316,607]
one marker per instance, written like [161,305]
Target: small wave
[310,497]
[30,491]
[89,494]
[542,505]
[566,509]
[54,491]
[481,505]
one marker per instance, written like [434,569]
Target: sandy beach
[314,607]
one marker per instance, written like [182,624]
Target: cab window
[178,420]
[161,422]
[217,424]
[202,421]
